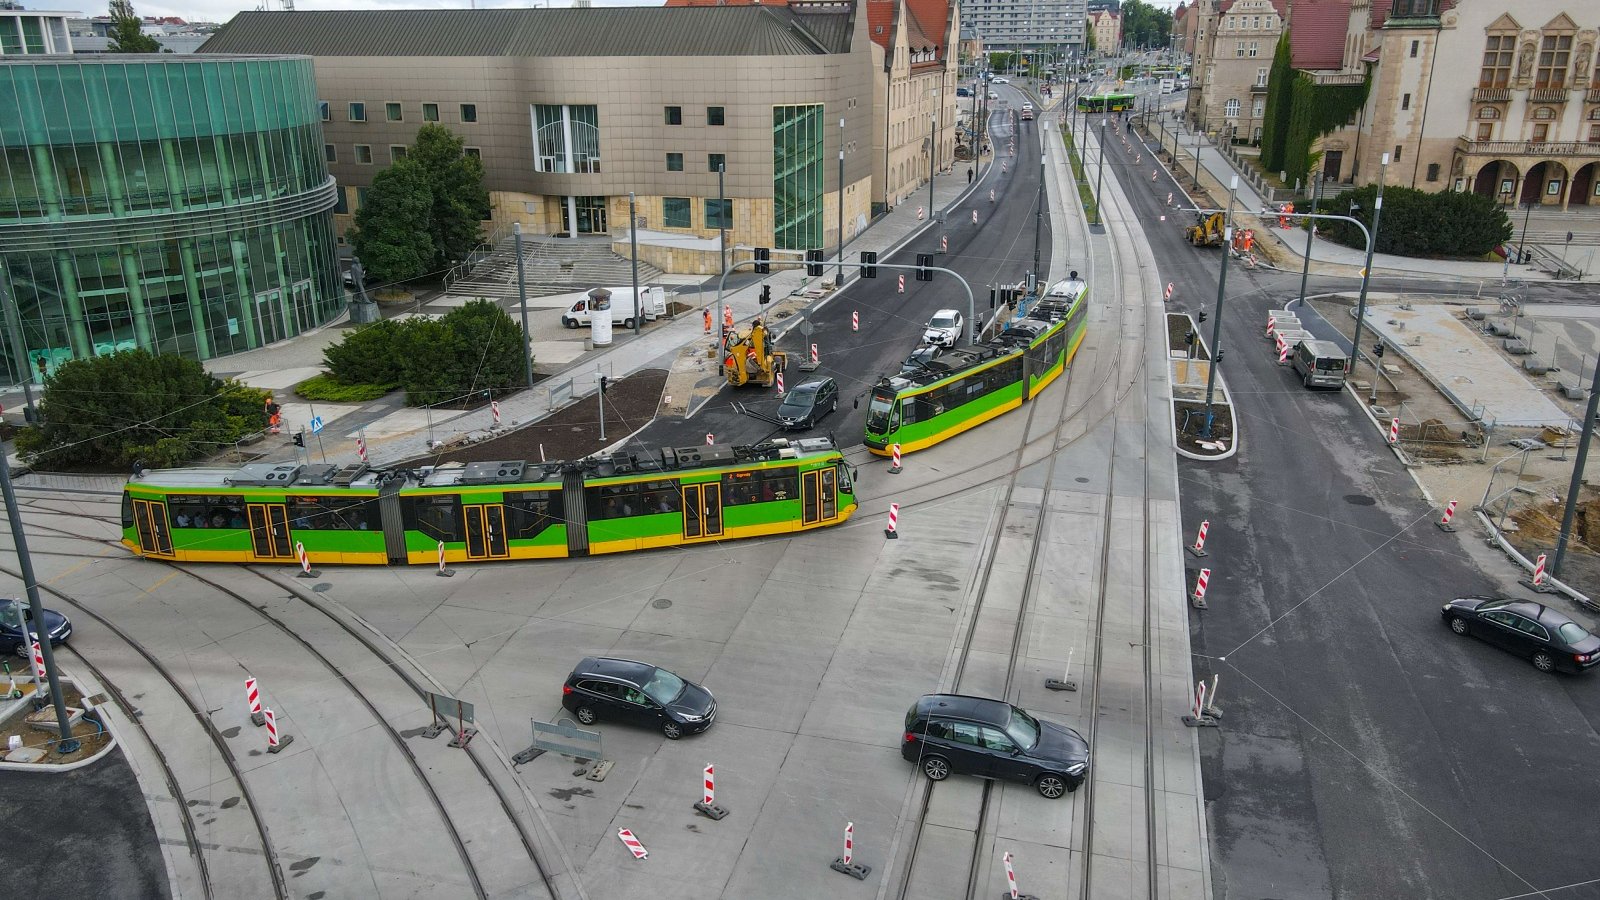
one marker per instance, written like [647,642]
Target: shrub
[165,410]
[473,349]
[1422,223]
[329,390]
[367,356]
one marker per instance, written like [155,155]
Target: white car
[1002,80]
[944,329]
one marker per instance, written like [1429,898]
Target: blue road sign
[316,424]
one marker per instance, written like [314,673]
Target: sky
[223,10]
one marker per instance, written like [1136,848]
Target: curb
[1172,405]
[112,742]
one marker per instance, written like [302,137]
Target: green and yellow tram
[487,510]
[966,387]
[1105,102]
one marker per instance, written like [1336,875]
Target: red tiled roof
[1317,31]
[880,21]
[1179,13]
[929,18]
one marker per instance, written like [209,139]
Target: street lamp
[1100,171]
[1216,326]
[838,278]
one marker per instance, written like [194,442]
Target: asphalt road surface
[1366,752]
[998,249]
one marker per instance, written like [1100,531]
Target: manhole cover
[1081,480]
[661,603]
[1359,500]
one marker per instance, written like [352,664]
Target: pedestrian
[969,174]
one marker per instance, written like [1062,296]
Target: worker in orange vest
[274,416]
[708,319]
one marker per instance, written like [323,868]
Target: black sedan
[808,403]
[1532,630]
[14,612]
[638,693]
[954,733]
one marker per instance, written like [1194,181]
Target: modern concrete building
[1054,25]
[570,109]
[1234,48]
[175,205]
[34,32]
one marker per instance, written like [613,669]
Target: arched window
[1544,113]
[1488,112]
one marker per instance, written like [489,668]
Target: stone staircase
[552,266]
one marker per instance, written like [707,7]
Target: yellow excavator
[749,359]
[1207,232]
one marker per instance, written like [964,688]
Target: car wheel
[585,715]
[672,730]
[937,768]
[570,323]
[1544,661]
[1458,625]
[628,324]
[1051,786]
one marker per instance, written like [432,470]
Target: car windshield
[1023,729]
[10,614]
[663,687]
[878,413]
[942,322]
[797,402]
[1572,633]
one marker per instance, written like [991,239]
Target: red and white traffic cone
[632,843]
[708,807]
[275,742]
[855,321]
[1199,546]
[1449,513]
[1198,598]
[444,570]
[252,695]
[893,531]
[847,863]
[894,459]
[1394,431]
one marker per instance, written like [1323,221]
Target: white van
[624,307]
[1168,85]
[1320,364]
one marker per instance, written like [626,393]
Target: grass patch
[1090,208]
[324,388]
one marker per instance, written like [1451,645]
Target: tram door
[702,510]
[486,531]
[150,521]
[269,531]
[819,496]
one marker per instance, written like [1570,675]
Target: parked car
[638,693]
[949,734]
[943,329]
[963,92]
[804,406]
[14,612]
[1532,630]
[920,357]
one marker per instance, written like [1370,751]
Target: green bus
[1106,102]
[971,385]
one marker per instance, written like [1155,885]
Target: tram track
[469,866]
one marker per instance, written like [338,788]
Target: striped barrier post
[1449,513]
[1169,292]
[1198,598]
[893,531]
[253,695]
[632,843]
[1394,431]
[710,439]
[1283,353]
[1272,324]
[813,354]
[1199,710]
[921,212]
[847,863]
[1538,575]
[1199,547]
[894,457]
[944,243]
[494,410]
[780,384]
[444,571]
[39,673]
[855,321]
[901,281]
[305,561]
[275,742]
[361,448]
[708,806]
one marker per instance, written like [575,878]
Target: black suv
[948,733]
[808,403]
[639,693]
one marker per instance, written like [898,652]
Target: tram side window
[529,512]
[641,498]
[127,510]
[205,511]
[438,517]
[333,513]
[759,486]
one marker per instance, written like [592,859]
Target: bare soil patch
[92,737]
[1191,418]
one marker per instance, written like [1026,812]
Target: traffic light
[1188,337]
[813,262]
[763,260]
[991,298]
[299,438]
[605,384]
[1200,316]
[869,264]
[1219,356]
[1377,349]
[766,294]
[924,260]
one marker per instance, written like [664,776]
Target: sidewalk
[1289,244]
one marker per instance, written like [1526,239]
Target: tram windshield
[878,412]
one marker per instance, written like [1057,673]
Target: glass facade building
[796,177]
[176,205]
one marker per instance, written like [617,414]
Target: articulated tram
[969,386]
[261,513]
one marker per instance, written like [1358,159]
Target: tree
[1144,25]
[1280,100]
[392,234]
[125,33]
[164,410]
[460,201]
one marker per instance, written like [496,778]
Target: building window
[1496,72]
[797,172]
[392,113]
[551,125]
[430,112]
[1433,171]
[1258,107]
[397,152]
[1541,133]
[1553,188]
[1488,112]
[1231,109]
[1544,113]
[474,152]
[358,112]
[675,212]
[1238,49]
[1485,131]
[719,214]
[323,111]
[1254,48]
[585,139]
[341,203]
[1594,134]
[469,112]
[1397,149]
[1414,46]
[674,162]
[1554,54]
[674,115]
[1405,101]
[716,162]
[329,153]
[1261,77]
[714,115]
[364,154]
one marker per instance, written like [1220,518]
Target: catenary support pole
[19,540]
[522,301]
[633,236]
[1311,231]
[1366,278]
[1216,324]
[1576,484]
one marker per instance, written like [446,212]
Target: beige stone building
[916,81]
[1107,28]
[1235,41]
[570,109]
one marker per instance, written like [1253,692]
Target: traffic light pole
[1216,326]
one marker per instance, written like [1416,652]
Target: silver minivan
[1321,364]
